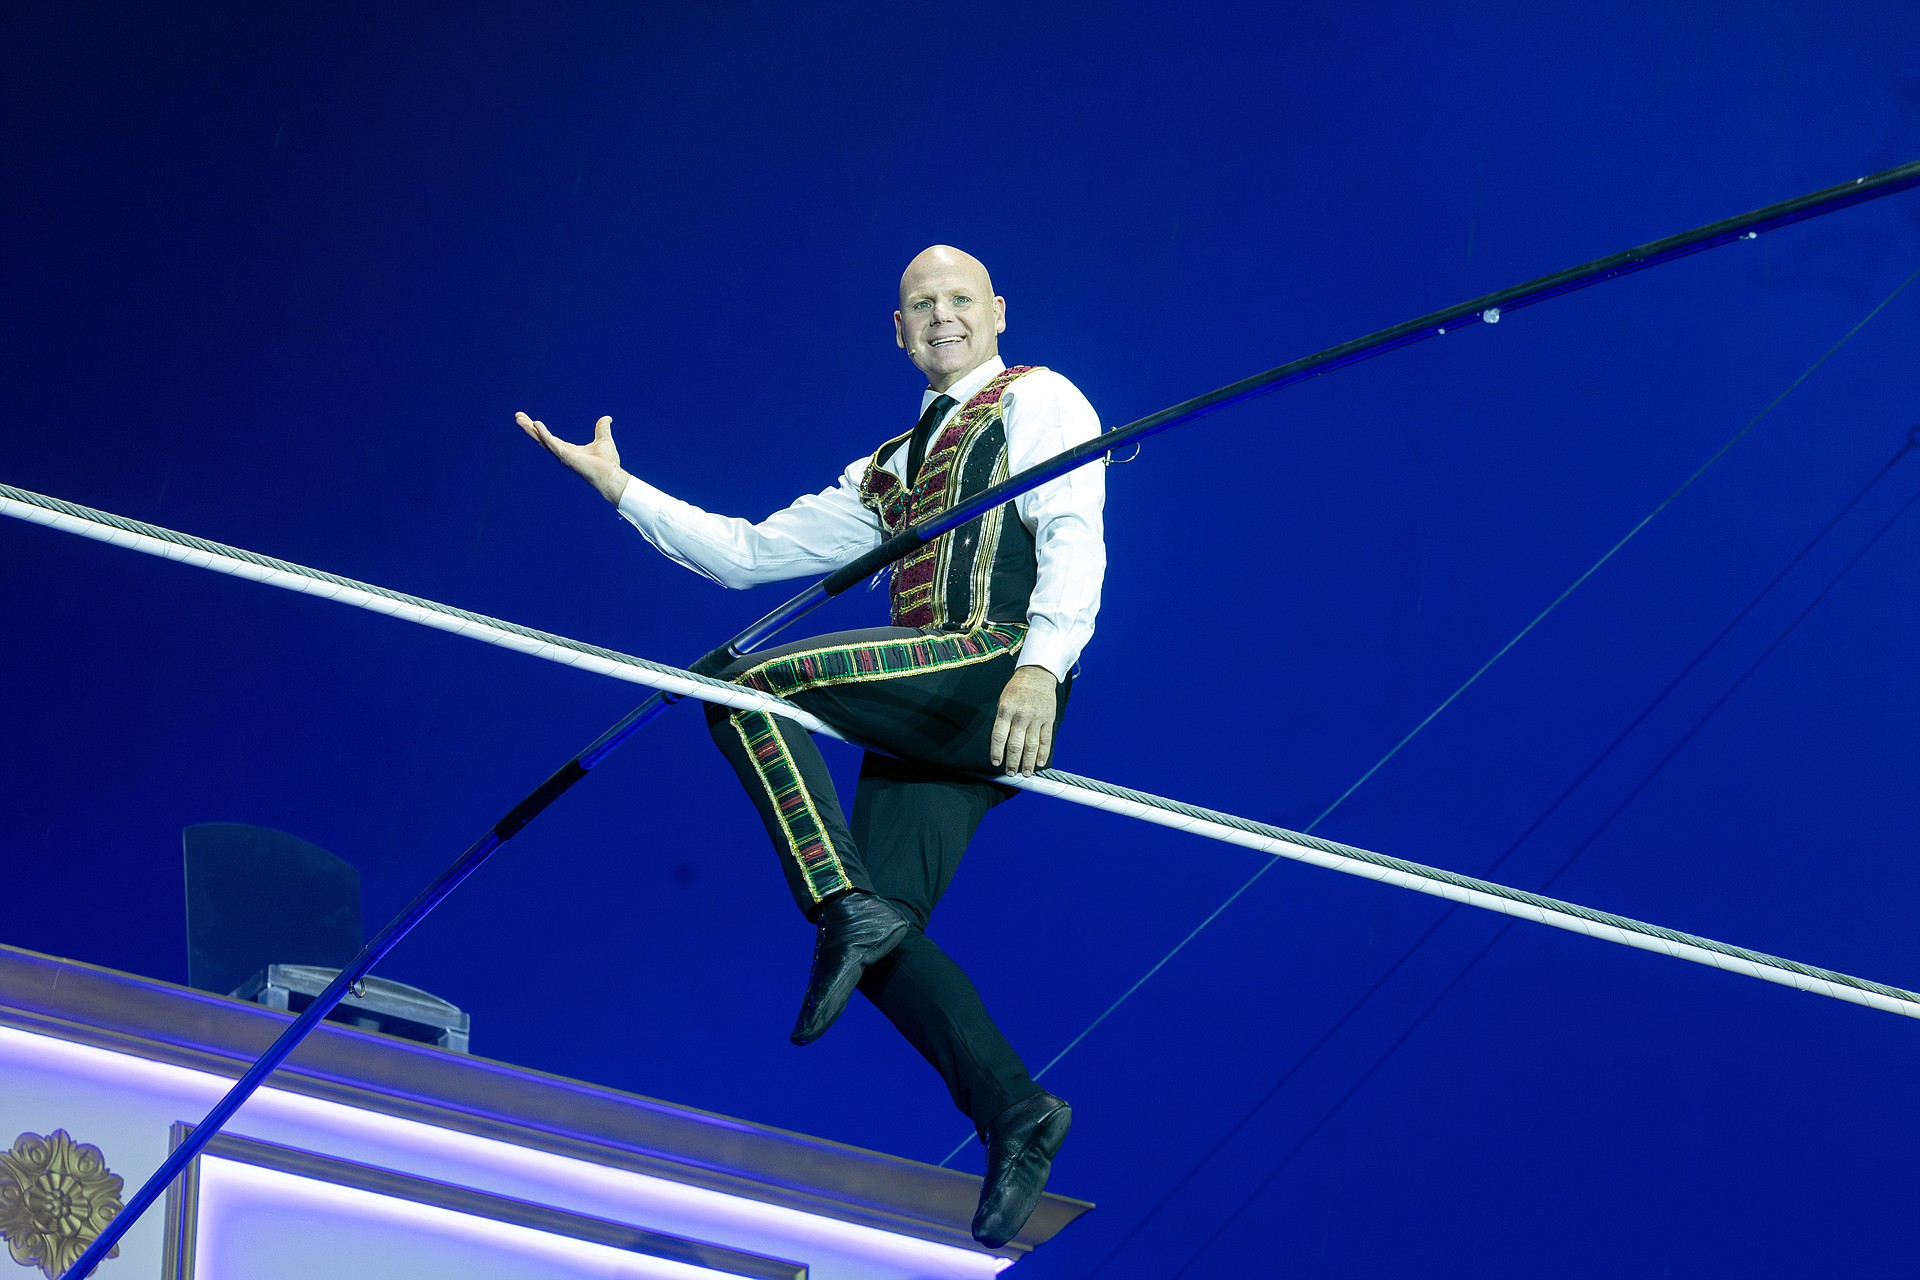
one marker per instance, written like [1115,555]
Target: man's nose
[942,313]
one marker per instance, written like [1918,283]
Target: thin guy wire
[1664,503]
[1501,932]
[1606,753]
[1334,1110]
[1449,700]
[1471,680]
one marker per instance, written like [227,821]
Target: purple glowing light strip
[733,1220]
[230,1188]
[1486,309]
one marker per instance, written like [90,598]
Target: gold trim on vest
[947,583]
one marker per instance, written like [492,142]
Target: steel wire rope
[1379,983]
[1160,810]
[1499,934]
[1468,683]
[1091,792]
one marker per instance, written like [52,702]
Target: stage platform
[382,1159]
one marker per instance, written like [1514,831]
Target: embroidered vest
[984,570]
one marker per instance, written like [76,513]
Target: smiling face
[949,321]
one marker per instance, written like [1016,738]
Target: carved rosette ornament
[56,1196]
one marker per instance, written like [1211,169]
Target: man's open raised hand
[597,462]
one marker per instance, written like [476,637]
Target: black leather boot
[1021,1144]
[855,930]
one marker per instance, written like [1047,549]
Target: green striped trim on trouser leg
[793,804]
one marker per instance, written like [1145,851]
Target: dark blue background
[280,274]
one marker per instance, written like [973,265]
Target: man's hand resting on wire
[598,462]
[1023,726]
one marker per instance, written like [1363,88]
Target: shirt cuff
[1046,647]
[638,502]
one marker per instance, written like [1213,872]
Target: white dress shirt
[1044,415]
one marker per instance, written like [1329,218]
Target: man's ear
[999,314]
[899,332]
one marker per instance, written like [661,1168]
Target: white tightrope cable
[1468,891]
[1143,806]
[182,548]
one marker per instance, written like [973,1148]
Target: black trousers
[928,698]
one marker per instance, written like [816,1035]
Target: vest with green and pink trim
[982,571]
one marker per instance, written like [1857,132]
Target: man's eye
[921,305]
[961,299]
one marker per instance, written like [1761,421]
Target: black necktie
[923,433]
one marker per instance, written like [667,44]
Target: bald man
[971,678]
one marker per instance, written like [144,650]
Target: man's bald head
[944,259]
[949,321]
